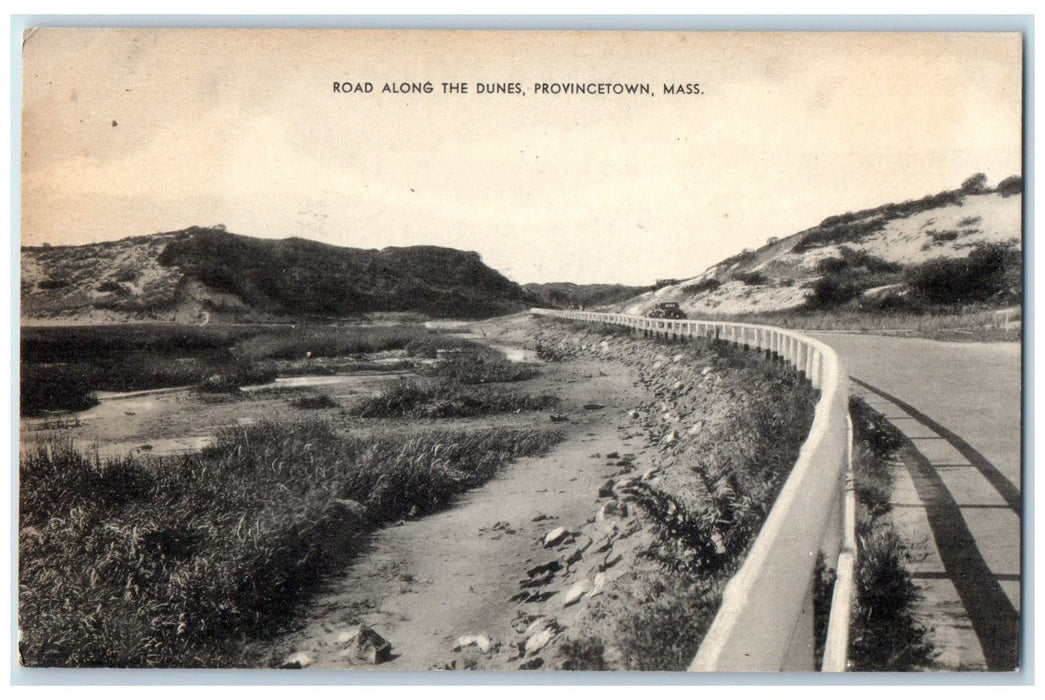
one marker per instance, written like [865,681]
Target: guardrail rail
[765,622]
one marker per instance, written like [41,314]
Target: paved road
[958,495]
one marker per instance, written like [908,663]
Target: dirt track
[425,583]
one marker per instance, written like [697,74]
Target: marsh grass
[420,398]
[63,367]
[174,562]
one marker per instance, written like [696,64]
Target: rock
[593,406]
[538,625]
[553,565]
[542,516]
[477,640]
[670,438]
[633,415]
[705,372]
[539,641]
[575,592]
[371,646]
[559,417]
[348,636]
[613,455]
[614,508]
[531,664]
[597,584]
[578,553]
[555,537]
[606,490]
[650,473]
[696,428]
[678,358]
[300,659]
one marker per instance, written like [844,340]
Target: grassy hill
[944,251]
[567,295]
[197,273]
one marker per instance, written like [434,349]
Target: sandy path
[423,584]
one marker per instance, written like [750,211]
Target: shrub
[832,290]
[708,285]
[1010,186]
[979,277]
[114,288]
[751,278]
[976,184]
[55,388]
[314,401]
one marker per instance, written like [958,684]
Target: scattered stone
[671,438]
[578,553]
[576,592]
[633,414]
[531,664]
[539,624]
[696,428]
[477,640]
[555,537]
[597,584]
[500,525]
[704,372]
[537,581]
[650,473]
[679,357]
[593,406]
[300,659]
[539,641]
[553,565]
[613,455]
[606,490]
[542,516]
[595,456]
[559,417]
[348,636]
[371,646]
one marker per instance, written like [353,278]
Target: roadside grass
[418,398]
[971,323]
[175,562]
[702,537]
[884,634]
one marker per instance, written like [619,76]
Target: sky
[138,131]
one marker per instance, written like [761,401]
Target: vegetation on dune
[302,277]
[173,562]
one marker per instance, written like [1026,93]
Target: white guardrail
[765,622]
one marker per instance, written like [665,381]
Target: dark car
[667,309]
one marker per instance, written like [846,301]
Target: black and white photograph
[384,350]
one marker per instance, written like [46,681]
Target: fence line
[765,622]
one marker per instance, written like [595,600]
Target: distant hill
[206,273]
[567,295]
[955,247]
